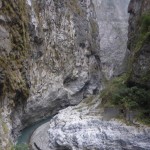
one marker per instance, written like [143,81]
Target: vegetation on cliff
[131,92]
[143,35]
[128,98]
[14,63]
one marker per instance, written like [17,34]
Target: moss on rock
[13,63]
[17,24]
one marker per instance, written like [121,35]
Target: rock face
[86,126]
[14,83]
[49,59]
[65,61]
[62,55]
[139,43]
[55,53]
[75,131]
[112,18]
[43,138]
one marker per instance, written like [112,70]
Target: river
[27,132]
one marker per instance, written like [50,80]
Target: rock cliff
[49,60]
[139,42]
[64,63]
[112,18]
[14,49]
[90,125]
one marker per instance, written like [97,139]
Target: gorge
[85,62]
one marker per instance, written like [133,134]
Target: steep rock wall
[64,61]
[112,18]
[88,126]
[67,65]
[49,60]
[14,49]
[139,42]
[57,53]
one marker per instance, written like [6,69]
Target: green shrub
[144,32]
[21,147]
[145,23]
[144,117]
[136,98]
[133,98]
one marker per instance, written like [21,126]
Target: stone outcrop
[82,127]
[78,131]
[43,138]
[54,51]
[139,42]
[68,42]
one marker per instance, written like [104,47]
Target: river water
[26,133]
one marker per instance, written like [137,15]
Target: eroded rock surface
[42,138]
[68,41]
[79,128]
[87,126]
[112,18]
[64,62]
[49,58]
[78,132]
[65,66]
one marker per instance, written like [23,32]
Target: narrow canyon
[74,75]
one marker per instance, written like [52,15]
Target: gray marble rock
[40,138]
[76,129]
[78,45]
[64,63]
[112,18]
[72,129]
